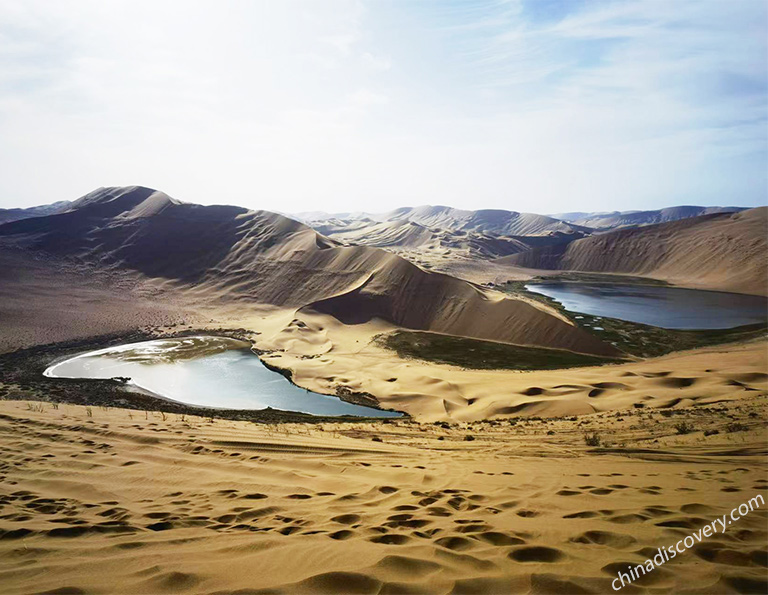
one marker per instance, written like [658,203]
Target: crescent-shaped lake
[205,371]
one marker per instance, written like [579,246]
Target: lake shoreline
[192,369]
[669,308]
[21,372]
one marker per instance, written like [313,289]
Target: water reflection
[207,371]
[665,307]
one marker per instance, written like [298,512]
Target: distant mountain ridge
[259,257]
[498,222]
[501,222]
[7,215]
[409,235]
[617,219]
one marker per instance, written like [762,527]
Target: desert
[379,298]
[529,455]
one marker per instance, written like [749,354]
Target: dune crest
[263,257]
[725,251]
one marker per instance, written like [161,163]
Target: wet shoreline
[21,373]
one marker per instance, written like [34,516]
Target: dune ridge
[263,257]
[617,219]
[724,251]
[498,222]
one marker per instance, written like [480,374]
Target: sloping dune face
[728,252]
[494,221]
[412,235]
[263,257]
[402,293]
[615,220]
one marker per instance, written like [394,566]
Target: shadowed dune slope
[727,252]
[263,257]
[38,211]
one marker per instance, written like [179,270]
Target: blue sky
[340,105]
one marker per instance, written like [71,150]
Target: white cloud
[349,105]
[376,62]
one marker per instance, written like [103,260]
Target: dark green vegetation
[637,339]
[651,341]
[575,277]
[483,355]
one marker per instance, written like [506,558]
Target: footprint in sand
[601,491]
[568,493]
[586,514]
[455,543]
[393,539]
[536,553]
[528,514]
[607,538]
[346,519]
[498,539]
[625,519]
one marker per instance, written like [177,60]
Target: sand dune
[266,258]
[148,261]
[128,502]
[434,392]
[491,221]
[45,300]
[727,252]
[39,211]
[617,219]
[409,234]
[434,247]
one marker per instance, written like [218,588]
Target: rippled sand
[120,501]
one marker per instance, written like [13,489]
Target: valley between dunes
[122,259]
[496,481]
[337,355]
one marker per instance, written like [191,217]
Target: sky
[367,105]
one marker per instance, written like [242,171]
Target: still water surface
[665,307]
[207,371]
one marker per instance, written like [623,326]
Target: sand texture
[265,258]
[120,502]
[491,221]
[496,480]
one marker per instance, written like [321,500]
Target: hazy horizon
[373,211]
[542,106]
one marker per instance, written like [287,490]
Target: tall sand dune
[727,252]
[436,246]
[496,221]
[260,257]
[616,219]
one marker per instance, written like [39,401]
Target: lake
[207,371]
[661,306]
